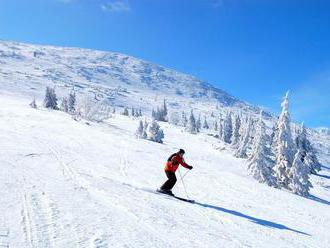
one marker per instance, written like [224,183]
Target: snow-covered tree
[227,128]
[132,112]
[64,105]
[236,128]
[145,125]
[308,153]
[154,132]
[141,131]
[220,129]
[165,112]
[243,146]
[199,123]
[216,128]
[92,110]
[72,102]
[260,164]
[272,136]
[192,127]
[299,174]
[50,100]
[175,118]
[33,104]
[284,147]
[184,120]
[125,112]
[114,110]
[205,124]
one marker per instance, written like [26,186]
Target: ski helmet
[181,151]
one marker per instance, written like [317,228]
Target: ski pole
[185,174]
[184,186]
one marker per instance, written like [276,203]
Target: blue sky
[254,49]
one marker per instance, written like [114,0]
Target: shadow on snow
[252,219]
[324,176]
[315,198]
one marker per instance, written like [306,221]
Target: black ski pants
[169,184]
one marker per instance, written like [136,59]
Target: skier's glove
[189,167]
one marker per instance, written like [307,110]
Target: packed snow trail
[68,184]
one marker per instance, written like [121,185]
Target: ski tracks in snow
[4,234]
[40,220]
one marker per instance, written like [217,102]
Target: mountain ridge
[118,67]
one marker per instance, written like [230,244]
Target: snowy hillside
[121,80]
[68,184]
[117,77]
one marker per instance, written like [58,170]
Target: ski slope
[65,183]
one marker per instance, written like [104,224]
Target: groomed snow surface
[65,183]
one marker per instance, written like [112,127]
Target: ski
[184,199]
[176,197]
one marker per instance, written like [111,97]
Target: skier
[171,166]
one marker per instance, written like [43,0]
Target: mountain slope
[68,184]
[28,68]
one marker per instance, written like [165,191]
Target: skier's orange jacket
[173,162]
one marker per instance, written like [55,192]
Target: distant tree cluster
[134,112]
[87,108]
[68,104]
[276,159]
[161,113]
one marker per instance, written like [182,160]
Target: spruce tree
[50,100]
[125,112]
[72,102]
[192,128]
[299,174]
[308,153]
[241,151]
[283,144]
[154,132]
[260,164]
[165,112]
[64,105]
[145,128]
[227,128]
[221,129]
[215,126]
[235,138]
[140,132]
[199,123]
[184,120]
[33,104]
[205,124]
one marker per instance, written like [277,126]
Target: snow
[65,183]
